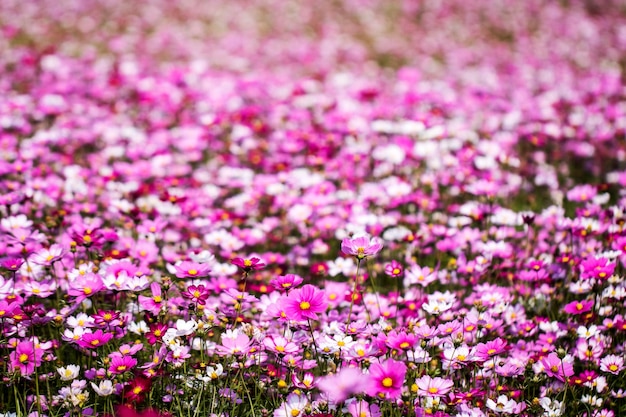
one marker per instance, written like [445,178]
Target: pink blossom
[361,246]
[386,379]
[304,303]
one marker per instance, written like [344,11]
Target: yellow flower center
[157,298]
[433,390]
[23,358]
[305,305]
[387,382]
[87,290]
[192,272]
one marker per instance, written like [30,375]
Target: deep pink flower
[361,246]
[156,333]
[485,351]
[25,357]
[394,269]
[248,265]
[304,303]
[286,282]
[121,364]
[578,307]
[11,263]
[196,293]
[152,304]
[95,339]
[386,379]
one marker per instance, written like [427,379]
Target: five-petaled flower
[248,264]
[361,246]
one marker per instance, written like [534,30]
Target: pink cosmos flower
[95,339]
[25,357]
[196,293]
[361,246]
[48,256]
[485,351]
[307,382]
[286,282]
[280,345]
[121,364]
[578,307]
[234,343]
[152,304]
[85,286]
[386,379]
[11,263]
[394,269]
[613,364]
[433,387]
[304,303]
[560,369]
[248,265]
[189,269]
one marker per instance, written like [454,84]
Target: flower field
[292,209]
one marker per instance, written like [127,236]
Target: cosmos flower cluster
[296,209]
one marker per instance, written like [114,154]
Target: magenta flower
[95,339]
[386,379]
[152,304]
[394,269]
[197,294]
[11,263]
[578,307]
[433,387]
[248,265]
[121,364]
[485,351]
[25,358]
[361,246]
[304,303]
[286,282]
